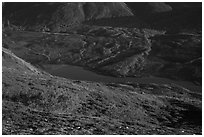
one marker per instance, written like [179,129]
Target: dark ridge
[176,20]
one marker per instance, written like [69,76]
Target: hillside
[159,48]
[58,17]
[119,52]
[38,103]
[143,9]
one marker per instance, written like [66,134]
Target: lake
[78,73]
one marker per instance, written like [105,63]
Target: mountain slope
[146,8]
[35,102]
[38,103]
[59,16]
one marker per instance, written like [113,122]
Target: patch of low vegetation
[43,104]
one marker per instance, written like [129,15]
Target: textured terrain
[37,103]
[112,51]
[160,39]
[59,17]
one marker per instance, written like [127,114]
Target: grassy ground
[37,103]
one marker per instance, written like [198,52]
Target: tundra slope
[35,102]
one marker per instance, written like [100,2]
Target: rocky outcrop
[119,52]
[115,51]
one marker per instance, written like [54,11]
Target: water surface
[78,73]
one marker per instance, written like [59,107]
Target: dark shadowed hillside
[146,8]
[160,16]
[59,16]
